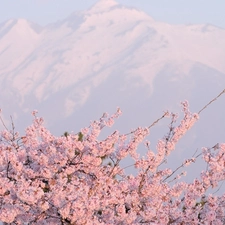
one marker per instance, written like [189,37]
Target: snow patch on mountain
[82,53]
[102,6]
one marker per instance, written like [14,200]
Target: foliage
[63,180]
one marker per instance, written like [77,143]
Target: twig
[3,123]
[212,101]
[155,122]
[13,127]
[219,187]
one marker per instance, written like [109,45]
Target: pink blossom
[79,179]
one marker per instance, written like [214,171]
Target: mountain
[110,55]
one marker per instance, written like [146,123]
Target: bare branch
[212,101]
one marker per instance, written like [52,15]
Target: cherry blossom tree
[78,178]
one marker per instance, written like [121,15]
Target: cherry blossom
[78,178]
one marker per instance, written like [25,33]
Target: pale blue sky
[170,11]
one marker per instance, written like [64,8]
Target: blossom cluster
[78,178]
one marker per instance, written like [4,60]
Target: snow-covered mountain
[73,70]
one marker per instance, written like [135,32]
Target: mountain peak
[22,22]
[103,5]
[22,26]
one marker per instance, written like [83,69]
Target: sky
[44,12]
